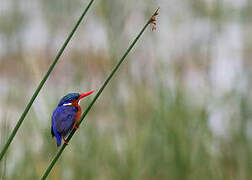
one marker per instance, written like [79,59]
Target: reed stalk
[21,119]
[56,157]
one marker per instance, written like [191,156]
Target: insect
[66,115]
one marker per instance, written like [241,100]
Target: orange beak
[82,95]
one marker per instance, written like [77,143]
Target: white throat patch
[68,104]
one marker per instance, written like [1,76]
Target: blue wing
[63,119]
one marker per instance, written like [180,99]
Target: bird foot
[76,127]
[65,140]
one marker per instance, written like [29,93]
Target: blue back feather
[62,121]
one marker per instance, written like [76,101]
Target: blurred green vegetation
[179,108]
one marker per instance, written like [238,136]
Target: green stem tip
[56,157]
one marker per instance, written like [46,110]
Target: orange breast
[78,114]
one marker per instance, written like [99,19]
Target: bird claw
[65,140]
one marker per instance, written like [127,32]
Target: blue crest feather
[68,98]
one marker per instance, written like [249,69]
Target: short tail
[58,139]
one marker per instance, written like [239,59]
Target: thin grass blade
[56,157]
[21,119]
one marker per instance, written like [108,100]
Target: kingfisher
[66,115]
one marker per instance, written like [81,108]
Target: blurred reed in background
[179,108]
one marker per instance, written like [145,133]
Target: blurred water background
[179,108]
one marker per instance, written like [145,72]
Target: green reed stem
[56,157]
[21,119]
